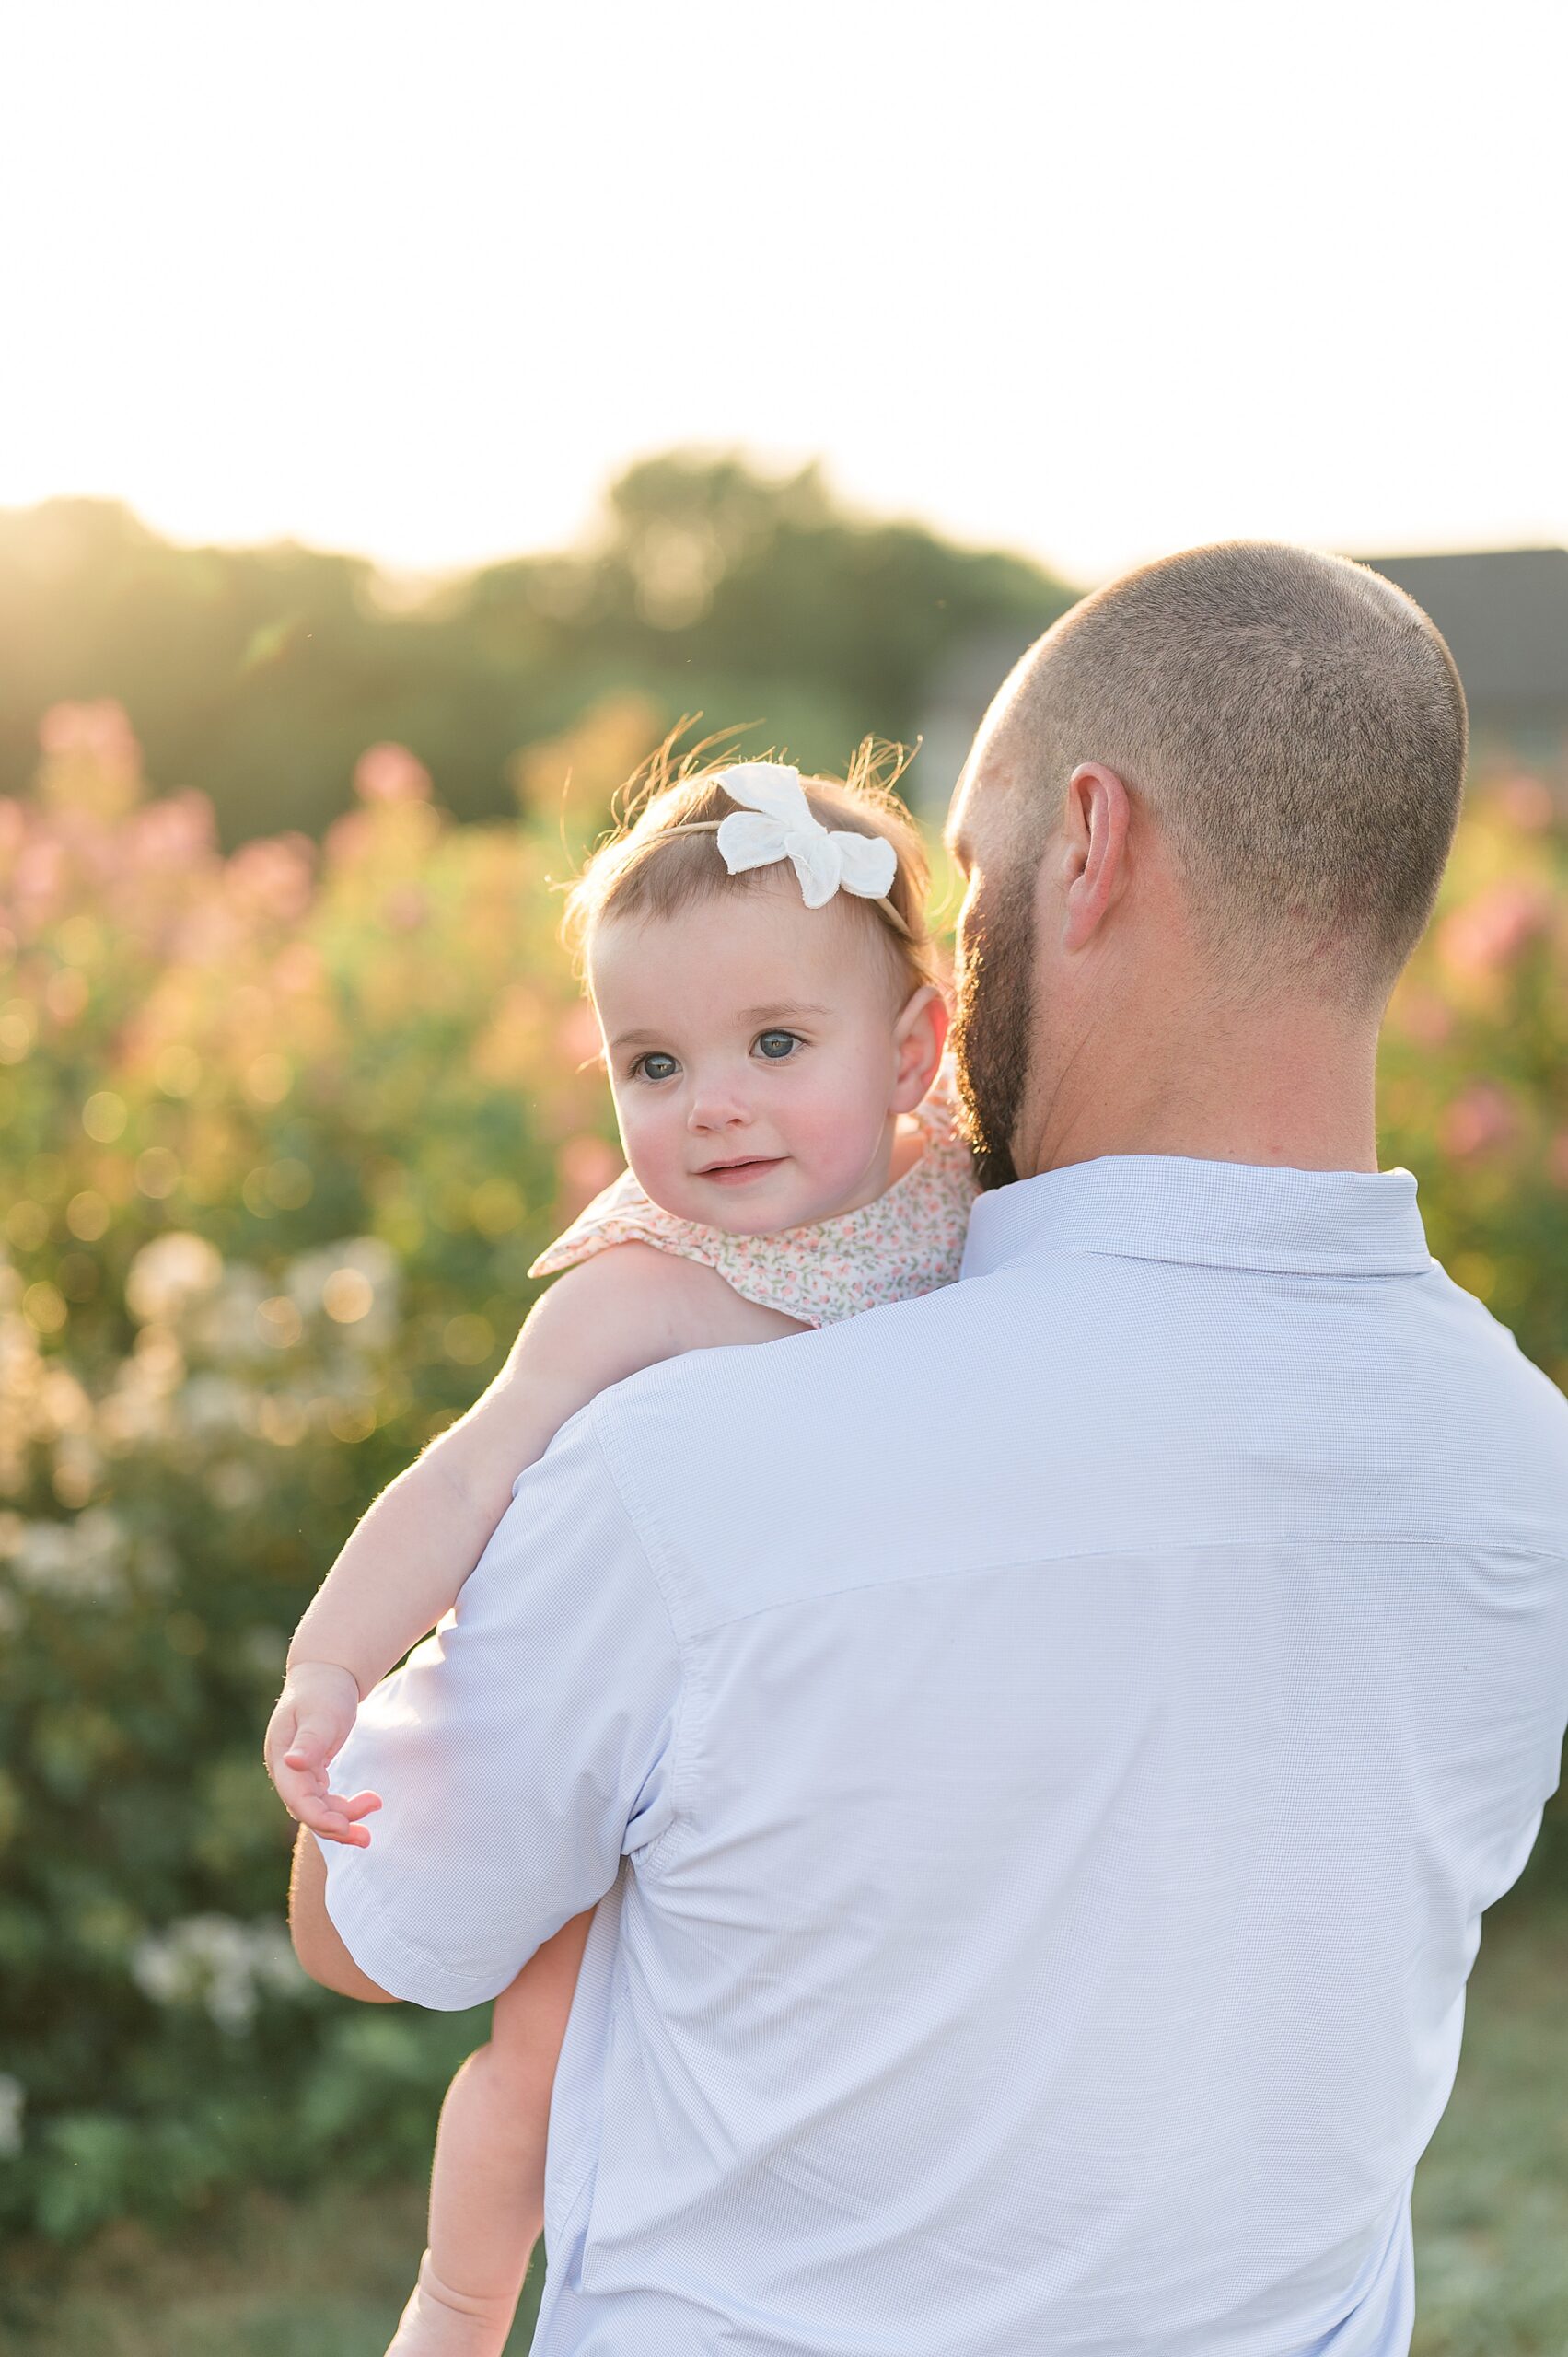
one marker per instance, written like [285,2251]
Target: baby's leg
[487,2187]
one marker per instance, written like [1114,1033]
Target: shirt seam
[1194,1256]
[360,1905]
[650,1545]
[1135,1554]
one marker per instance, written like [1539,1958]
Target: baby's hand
[308,1727]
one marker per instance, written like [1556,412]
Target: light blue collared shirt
[1047,1747]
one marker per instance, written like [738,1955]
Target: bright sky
[1093,280]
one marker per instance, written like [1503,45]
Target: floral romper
[910,1241]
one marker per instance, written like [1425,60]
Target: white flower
[234,1486]
[169,1273]
[210,1405]
[82,1562]
[136,1408]
[223,1323]
[217,1963]
[64,1403]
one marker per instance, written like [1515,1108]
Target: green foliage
[262,673]
[279,1137]
[1474,1077]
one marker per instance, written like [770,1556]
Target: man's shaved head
[1294,725]
[1290,733]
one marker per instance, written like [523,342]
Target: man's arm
[521,1752]
[315,1936]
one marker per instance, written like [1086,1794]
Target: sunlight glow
[1088,281]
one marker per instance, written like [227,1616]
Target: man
[1050,1745]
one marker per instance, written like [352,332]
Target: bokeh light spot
[467,1339]
[65,996]
[269,1078]
[281,1419]
[104,1116]
[279,1323]
[27,1224]
[45,1308]
[347,1297]
[496,1207]
[351,1421]
[18,1029]
[86,1216]
[157,1172]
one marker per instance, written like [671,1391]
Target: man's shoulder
[681,1407]
[1495,1388]
[750,1456]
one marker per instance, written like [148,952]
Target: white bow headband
[775,821]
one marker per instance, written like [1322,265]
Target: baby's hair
[647,867]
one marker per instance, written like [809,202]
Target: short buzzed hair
[1294,722]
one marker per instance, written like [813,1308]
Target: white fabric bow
[777,822]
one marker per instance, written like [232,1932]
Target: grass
[1492,2195]
[327,2278]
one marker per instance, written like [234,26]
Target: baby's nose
[715,1108]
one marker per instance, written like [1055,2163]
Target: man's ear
[1095,851]
[919,1036]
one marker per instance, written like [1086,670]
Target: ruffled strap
[620,1213]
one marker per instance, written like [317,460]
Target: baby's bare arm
[625,1309]
[403,1568]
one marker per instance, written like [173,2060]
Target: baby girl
[756,955]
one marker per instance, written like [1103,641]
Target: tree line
[706,585]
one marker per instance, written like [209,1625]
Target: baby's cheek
[644,1141]
[835,1137]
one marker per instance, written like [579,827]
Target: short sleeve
[520,1751]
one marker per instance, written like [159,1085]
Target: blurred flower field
[280,1134]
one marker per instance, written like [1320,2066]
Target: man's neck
[1297,1092]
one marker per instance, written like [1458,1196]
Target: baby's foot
[440,2322]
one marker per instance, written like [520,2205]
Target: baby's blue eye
[655,1066]
[776,1045]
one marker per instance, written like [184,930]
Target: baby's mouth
[744,1167]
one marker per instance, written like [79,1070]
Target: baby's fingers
[337,1819]
[305,1793]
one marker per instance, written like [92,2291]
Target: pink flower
[1529,802]
[1421,1016]
[299,968]
[1480,1122]
[274,877]
[390,773]
[348,837]
[173,833]
[405,908]
[586,1165]
[1488,934]
[578,1036]
[101,732]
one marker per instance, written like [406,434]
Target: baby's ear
[919,1036]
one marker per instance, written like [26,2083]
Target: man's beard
[995,1012]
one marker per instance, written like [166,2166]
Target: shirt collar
[1218,1215]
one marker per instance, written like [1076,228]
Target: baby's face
[754,1052]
